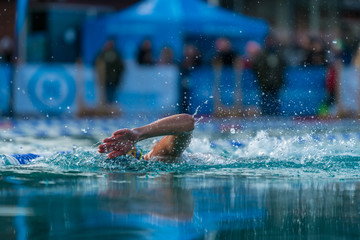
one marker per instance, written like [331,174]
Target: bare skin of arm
[177,130]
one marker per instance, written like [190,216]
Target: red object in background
[331,76]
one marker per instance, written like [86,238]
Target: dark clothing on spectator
[268,67]
[110,67]
[189,63]
[144,57]
[226,58]
[331,82]
[315,58]
[270,103]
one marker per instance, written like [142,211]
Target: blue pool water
[239,179]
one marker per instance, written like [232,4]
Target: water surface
[236,181]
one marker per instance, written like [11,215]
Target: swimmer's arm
[173,125]
[170,147]
[177,127]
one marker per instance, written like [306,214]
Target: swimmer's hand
[119,143]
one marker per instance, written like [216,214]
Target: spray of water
[261,155]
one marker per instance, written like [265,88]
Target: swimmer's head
[135,152]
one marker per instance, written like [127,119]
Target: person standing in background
[348,102]
[166,56]
[144,56]
[192,60]
[225,56]
[109,67]
[315,53]
[333,71]
[6,49]
[269,66]
[224,61]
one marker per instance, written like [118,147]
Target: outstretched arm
[178,129]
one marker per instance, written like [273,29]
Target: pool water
[239,179]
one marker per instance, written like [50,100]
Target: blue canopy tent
[168,22]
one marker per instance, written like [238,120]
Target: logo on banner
[52,89]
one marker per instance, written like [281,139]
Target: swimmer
[177,130]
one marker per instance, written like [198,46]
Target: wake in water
[315,156]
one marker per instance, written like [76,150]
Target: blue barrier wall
[304,90]
[302,94]
[151,90]
[5,76]
[52,89]
[56,89]
[202,90]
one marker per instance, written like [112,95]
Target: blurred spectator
[252,49]
[348,89]
[356,58]
[224,61]
[225,56]
[295,50]
[166,56]
[332,73]
[316,53]
[269,66]
[349,45]
[192,60]
[331,80]
[6,49]
[109,67]
[144,56]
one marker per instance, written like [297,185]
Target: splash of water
[261,155]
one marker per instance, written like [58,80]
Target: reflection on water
[203,205]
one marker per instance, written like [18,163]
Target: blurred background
[243,58]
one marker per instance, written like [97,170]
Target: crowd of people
[268,62]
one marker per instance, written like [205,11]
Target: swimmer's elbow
[189,122]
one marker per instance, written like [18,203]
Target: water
[238,180]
